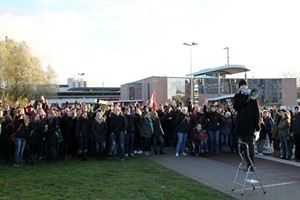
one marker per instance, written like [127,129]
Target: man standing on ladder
[247,119]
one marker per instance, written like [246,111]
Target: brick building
[213,85]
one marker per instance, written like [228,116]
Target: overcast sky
[121,41]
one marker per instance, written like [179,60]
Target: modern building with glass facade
[279,92]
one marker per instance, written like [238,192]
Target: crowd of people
[41,132]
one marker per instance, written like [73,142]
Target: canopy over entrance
[221,71]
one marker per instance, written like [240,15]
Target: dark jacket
[99,130]
[69,125]
[226,126]
[269,123]
[183,123]
[277,117]
[117,124]
[130,121]
[50,135]
[247,119]
[35,132]
[147,127]
[6,132]
[283,127]
[263,131]
[19,128]
[214,120]
[83,127]
[199,118]
[162,115]
[157,127]
[138,124]
[295,123]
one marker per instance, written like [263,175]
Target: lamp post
[191,67]
[81,82]
[227,49]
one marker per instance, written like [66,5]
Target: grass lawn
[136,178]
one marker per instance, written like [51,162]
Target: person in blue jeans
[262,136]
[99,129]
[283,133]
[83,131]
[158,133]
[118,130]
[20,134]
[225,130]
[183,126]
[213,128]
[147,131]
[130,132]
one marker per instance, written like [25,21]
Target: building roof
[94,89]
[220,97]
[223,70]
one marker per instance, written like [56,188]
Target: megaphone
[252,93]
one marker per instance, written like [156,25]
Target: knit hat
[242,82]
[227,114]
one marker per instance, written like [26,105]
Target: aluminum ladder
[244,175]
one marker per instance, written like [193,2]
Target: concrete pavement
[280,178]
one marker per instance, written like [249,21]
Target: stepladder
[246,173]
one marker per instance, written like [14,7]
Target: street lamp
[81,79]
[191,67]
[227,49]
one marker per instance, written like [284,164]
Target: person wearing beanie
[247,120]
[242,82]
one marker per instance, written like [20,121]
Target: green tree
[50,87]
[21,73]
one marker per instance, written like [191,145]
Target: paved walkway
[280,178]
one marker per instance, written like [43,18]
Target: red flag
[153,103]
